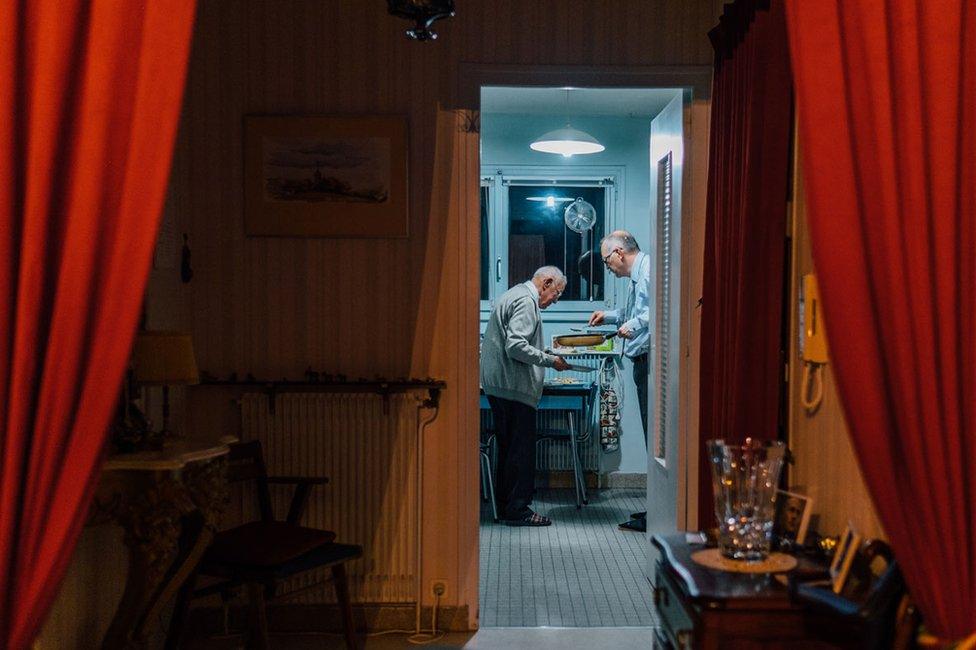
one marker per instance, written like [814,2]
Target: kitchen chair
[261,553]
[488,455]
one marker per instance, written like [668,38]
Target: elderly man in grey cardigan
[513,365]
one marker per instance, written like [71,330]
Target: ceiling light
[567,140]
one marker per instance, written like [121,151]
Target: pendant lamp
[567,140]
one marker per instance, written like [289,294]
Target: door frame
[696,83]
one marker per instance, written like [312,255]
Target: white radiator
[368,451]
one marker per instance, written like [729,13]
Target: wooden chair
[261,553]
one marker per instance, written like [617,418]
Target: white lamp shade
[567,141]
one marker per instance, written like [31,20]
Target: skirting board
[292,618]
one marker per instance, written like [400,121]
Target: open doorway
[600,457]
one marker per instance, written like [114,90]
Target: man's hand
[596,318]
[560,364]
[624,332]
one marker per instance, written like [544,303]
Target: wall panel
[826,467]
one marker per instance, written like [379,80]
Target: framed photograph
[792,516]
[325,176]
[840,566]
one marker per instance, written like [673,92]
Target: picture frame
[326,176]
[793,512]
[844,553]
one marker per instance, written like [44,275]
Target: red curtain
[886,98]
[90,95]
[745,231]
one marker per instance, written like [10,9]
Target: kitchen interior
[540,207]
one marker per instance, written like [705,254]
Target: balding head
[619,250]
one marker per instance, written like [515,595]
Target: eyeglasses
[559,292]
[606,260]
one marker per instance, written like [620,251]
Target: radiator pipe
[421,429]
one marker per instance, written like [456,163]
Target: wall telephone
[814,345]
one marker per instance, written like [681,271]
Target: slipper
[531,519]
[638,525]
[638,515]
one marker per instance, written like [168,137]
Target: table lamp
[164,359]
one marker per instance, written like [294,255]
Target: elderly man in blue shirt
[624,258]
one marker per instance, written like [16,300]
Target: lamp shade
[164,359]
[567,141]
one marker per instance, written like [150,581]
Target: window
[523,228]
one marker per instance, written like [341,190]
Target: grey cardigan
[512,361]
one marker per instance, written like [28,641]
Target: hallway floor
[582,571]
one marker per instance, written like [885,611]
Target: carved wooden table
[168,502]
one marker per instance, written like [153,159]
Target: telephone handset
[814,350]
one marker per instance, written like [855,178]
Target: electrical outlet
[439,588]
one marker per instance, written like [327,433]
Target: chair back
[246,463]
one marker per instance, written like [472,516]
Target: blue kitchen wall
[505,142]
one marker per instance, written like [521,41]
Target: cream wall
[390,307]
[826,467]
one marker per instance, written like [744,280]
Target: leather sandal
[530,519]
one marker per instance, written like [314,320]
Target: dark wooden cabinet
[704,608]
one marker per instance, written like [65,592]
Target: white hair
[550,272]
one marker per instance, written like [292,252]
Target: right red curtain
[886,100]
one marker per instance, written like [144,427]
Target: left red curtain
[90,95]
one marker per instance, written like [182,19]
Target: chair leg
[484,480]
[177,623]
[491,485]
[258,637]
[345,605]
[577,465]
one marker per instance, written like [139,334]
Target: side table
[168,502]
[709,609]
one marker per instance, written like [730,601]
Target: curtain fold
[90,96]
[886,91]
[745,231]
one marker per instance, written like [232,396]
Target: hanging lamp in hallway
[567,140]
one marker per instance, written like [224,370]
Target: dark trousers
[515,430]
[640,380]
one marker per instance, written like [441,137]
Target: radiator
[367,448]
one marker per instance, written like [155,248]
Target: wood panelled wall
[274,306]
[826,467]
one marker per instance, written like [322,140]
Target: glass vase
[744,481]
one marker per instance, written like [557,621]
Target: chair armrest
[298,480]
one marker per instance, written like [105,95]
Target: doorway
[584,571]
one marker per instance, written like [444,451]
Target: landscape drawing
[314,169]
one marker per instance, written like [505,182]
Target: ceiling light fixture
[424,13]
[567,140]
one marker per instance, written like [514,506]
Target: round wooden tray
[713,559]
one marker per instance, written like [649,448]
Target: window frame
[504,176]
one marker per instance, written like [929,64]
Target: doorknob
[498,269]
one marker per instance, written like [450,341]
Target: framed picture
[325,176]
[844,554]
[792,516]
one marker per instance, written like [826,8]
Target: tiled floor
[580,572]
